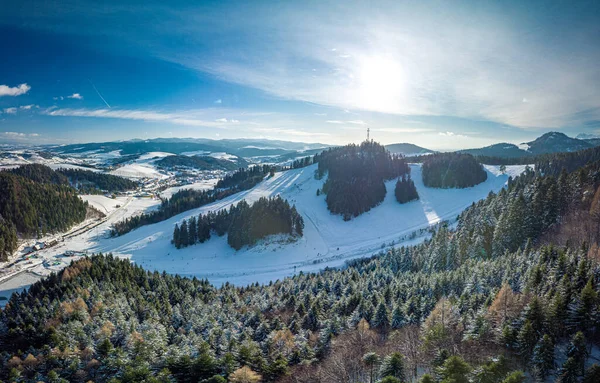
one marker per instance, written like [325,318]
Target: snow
[523,146]
[104,204]
[71,166]
[136,171]
[153,156]
[195,153]
[16,284]
[224,156]
[328,241]
[201,185]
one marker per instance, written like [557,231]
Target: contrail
[107,104]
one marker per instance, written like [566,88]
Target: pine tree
[543,357]
[527,340]
[393,365]
[381,319]
[455,370]
[177,236]
[569,372]
[183,234]
[398,319]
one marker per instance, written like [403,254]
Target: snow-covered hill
[327,241]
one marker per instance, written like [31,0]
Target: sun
[381,83]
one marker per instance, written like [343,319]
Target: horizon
[466,76]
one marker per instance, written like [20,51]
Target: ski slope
[328,241]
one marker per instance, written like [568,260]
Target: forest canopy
[33,209]
[452,170]
[356,176]
[244,224]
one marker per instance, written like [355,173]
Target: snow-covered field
[202,185]
[328,241]
[136,171]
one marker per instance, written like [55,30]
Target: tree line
[405,190]
[452,170]
[33,209]
[356,175]
[85,181]
[186,199]
[244,224]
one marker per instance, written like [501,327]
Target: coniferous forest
[244,224]
[510,294]
[356,176]
[85,181]
[186,199]
[33,208]
[452,170]
[406,190]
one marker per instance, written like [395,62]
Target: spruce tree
[543,357]
[393,365]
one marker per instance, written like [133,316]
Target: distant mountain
[407,149]
[587,136]
[555,142]
[239,147]
[552,142]
[504,150]
[200,163]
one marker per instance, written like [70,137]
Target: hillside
[32,209]
[403,308]
[199,163]
[503,150]
[555,142]
[407,149]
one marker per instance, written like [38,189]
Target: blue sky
[441,74]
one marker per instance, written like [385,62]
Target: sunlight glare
[381,83]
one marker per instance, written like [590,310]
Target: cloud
[451,134]
[187,118]
[10,110]
[485,63]
[27,107]
[21,135]
[6,90]
[76,96]
[291,132]
[334,122]
[219,101]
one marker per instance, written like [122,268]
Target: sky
[440,74]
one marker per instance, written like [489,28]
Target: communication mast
[368,133]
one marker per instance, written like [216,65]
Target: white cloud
[226,120]
[75,96]
[219,101]
[468,62]
[187,118]
[10,110]
[334,122]
[27,107]
[20,135]
[291,132]
[6,90]
[357,122]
